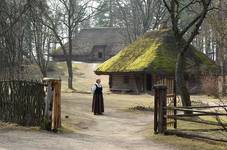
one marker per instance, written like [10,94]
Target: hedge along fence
[22,102]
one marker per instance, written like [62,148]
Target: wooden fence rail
[165,109]
[22,102]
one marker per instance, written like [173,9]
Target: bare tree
[217,20]
[199,9]
[11,36]
[41,37]
[139,16]
[69,14]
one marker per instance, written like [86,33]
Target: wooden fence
[167,114]
[168,81]
[22,102]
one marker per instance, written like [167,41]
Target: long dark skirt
[97,104]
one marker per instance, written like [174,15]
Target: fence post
[48,108]
[56,113]
[160,121]
[156,98]
[53,103]
[175,104]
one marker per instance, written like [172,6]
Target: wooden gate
[168,81]
[167,114]
[161,101]
[22,102]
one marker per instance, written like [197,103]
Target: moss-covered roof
[154,52]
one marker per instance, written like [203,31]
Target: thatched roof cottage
[149,60]
[94,44]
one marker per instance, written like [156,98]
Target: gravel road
[115,130]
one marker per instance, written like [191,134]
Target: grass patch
[83,76]
[66,129]
[186,143]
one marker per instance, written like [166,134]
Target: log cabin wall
[127,82]
[138,83]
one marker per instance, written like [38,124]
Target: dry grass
[187,143]
[84,76]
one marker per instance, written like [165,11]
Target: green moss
[165,60]
[136,57]
[155,52]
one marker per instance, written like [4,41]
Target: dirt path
[116,130]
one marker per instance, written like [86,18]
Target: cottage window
[126,79]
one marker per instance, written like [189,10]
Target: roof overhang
[111,73]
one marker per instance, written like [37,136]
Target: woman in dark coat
[97,103]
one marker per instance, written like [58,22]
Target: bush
[45,124]
[210,85]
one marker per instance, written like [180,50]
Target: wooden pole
[161,121]
[156,98]
[56,107]
[175,103]
[48,109]
[54,99]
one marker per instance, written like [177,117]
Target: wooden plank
[202,107]
[199,121]
[194,110]
[191,135]
[170,95]
[195,115]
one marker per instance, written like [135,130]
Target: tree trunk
[181,83]
[69,62]
[221,63]
[221,53]
[110,13]
[69,57]
[44,72]
[70,73]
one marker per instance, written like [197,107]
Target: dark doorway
[100,55]
[149,82]
[99,52]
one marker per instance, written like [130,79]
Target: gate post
[53,103]
[175,104]
[160,121]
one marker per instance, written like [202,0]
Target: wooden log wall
[22,102]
